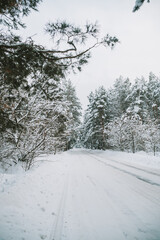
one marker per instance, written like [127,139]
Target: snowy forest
[49,119]
[125,117]
[39,109]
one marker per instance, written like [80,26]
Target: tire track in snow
[122,211]
[125,171]
[146,195]
[130,166]
[119,209]
[57,226]
[137,168]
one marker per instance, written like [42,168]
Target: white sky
[139,34]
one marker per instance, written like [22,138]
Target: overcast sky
[139,33]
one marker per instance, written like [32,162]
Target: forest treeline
[125,117]
[45,117]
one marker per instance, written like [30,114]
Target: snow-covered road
[83,195]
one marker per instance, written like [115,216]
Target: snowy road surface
[83,195]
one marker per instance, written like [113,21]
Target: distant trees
[132,116]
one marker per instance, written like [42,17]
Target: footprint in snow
[43,209]
[43,237]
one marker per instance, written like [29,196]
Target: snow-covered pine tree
[119,97]
[153,97]
[138,99]
[87,126]
[73,112]
[96,120]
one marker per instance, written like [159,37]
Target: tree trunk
[133,143]
[154,149]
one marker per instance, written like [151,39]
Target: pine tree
[153,97]
[73,111]
[119,97]
[138,98]
[87,125]
[96,120]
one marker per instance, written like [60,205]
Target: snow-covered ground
[140,158]
[83,194]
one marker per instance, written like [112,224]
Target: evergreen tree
[87,125]
[119,97]
[138,99]
[96,120]
[73,111]
[153,97]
